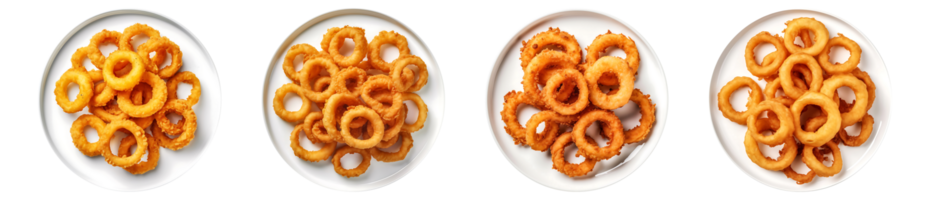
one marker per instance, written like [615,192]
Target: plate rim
[280,49]
[494,66]
[871,155]
[65,37]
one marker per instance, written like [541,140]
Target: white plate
[733,64]
[172,164]
[379,173]
[507,75]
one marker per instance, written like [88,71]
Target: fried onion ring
[186,77]
[159,97]
[374,49]
[824,133]
[723,98]
[609,65]
[784,160]
[382,82]
[397,71]
[512,101]
[80,141]
[126,38]
[648,111]
[611,124]
[784,74]
[374,120]
[817,165]
[865,78]
[862,96]
[545,60]
[855,53]
[866,131]
[329,113]
[405,146]
[558,157]
[355,172]
[291,116]
[93,49]
[552,119]
[306,78]
[162,45]
[143,166]
[361,46]
[190,126]
[129,80]
[136,132]
[555,37]
[603,41]
[298,49]
[779,55]
[83,80]
[352,73]
[421,116]
[312,156]
[785,129]
[795,27]
[550,94]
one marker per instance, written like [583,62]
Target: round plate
[732,64]
[379,173]
[507,75]
[171,164]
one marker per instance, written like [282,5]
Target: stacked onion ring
[129,91]
[571,95]
[361,102]
[809,120]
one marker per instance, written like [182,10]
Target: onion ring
[648,111]
[779,55]
[785,75]
[421,116]
[142,94]
[83,80]
[824,133]
[787,154]
[865,78]
[382,82]
[785,128]
[329,113]
[361,46]
[400,64]
[603,41]
[374,49]
[190,126]
[313,132]
[558,157]
[328,37]
[80,141]
[129,80]
[866,131]
[552,119]
[556,37]
[855,53]
[312,156]
[550,94]
[352,73]
[405,146]
[795,26]
[802,178]
[305,78]
[723,98]
[93,50]
[186,77]
[612,126]
[298,49]
[609,65]
[141,142]
[357,171]
[162,45]
[817,166]
[373,120]
[143,166]
[158,98]
[126,38]
[291,116]
[858,110]
[545,60]
[512,101]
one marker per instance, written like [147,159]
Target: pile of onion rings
[571,95]
[128,91]
[360,101]
[810,118]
